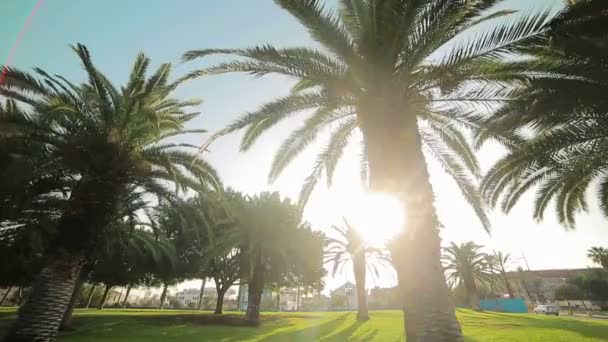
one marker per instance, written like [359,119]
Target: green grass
[385,326]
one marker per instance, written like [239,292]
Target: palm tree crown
[382,51]
[97,133]
[566,112]
[598,255]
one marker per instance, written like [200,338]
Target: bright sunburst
[377,216]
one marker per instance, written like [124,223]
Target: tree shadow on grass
[333,330]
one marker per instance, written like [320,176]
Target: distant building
[285,300]
[539,286]
[344,297]
[316,303]
[188,296]
[384,298]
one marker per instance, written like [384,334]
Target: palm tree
[109,141]
[467,266]
[498,261]
[567,113]
[350,247]
[599,255]
[393,71]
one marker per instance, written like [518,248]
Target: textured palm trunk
[359,270]
[126,300]
[5,295]
[66,322]
[255,288]
[397,166]
[41,315]
[163,296]
[90,296]
[91,208]
[104,297]
[200,296]
[473,296]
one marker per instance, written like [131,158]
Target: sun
[377,216]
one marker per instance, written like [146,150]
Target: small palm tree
[397,73]
[110,141]
[350,247]
[599,255]
[467,266]
[498,261]
[567,112]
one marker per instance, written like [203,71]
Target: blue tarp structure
[516,305]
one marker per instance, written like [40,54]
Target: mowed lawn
[385,326]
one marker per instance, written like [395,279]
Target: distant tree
[226,271]
[498,261]
[273,245]
[467,265]
[350,247]
[599,255]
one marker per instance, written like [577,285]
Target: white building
[188,296]
[345,297]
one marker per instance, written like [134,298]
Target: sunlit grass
[385,326]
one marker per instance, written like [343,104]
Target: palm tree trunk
[359,270]
[255,289]
[200,296]
[90,296]
[508,285]
[163,296]
[473,297]
[125,301]
[5,295]
[66,322]
[219,305]
[39,318]
[278,300]
[397,166]
[102,302]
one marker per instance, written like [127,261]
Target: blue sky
[116,30]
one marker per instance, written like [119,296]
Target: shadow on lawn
[584,327]
[331,330]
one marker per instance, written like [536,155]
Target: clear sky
[116,30]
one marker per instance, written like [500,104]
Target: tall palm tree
[499,261]
[109,140]
[351,248]
[468,266]
[599,255]
[398,72]
[567,113]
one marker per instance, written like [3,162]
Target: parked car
[547,310]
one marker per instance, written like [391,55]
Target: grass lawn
[385,326]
